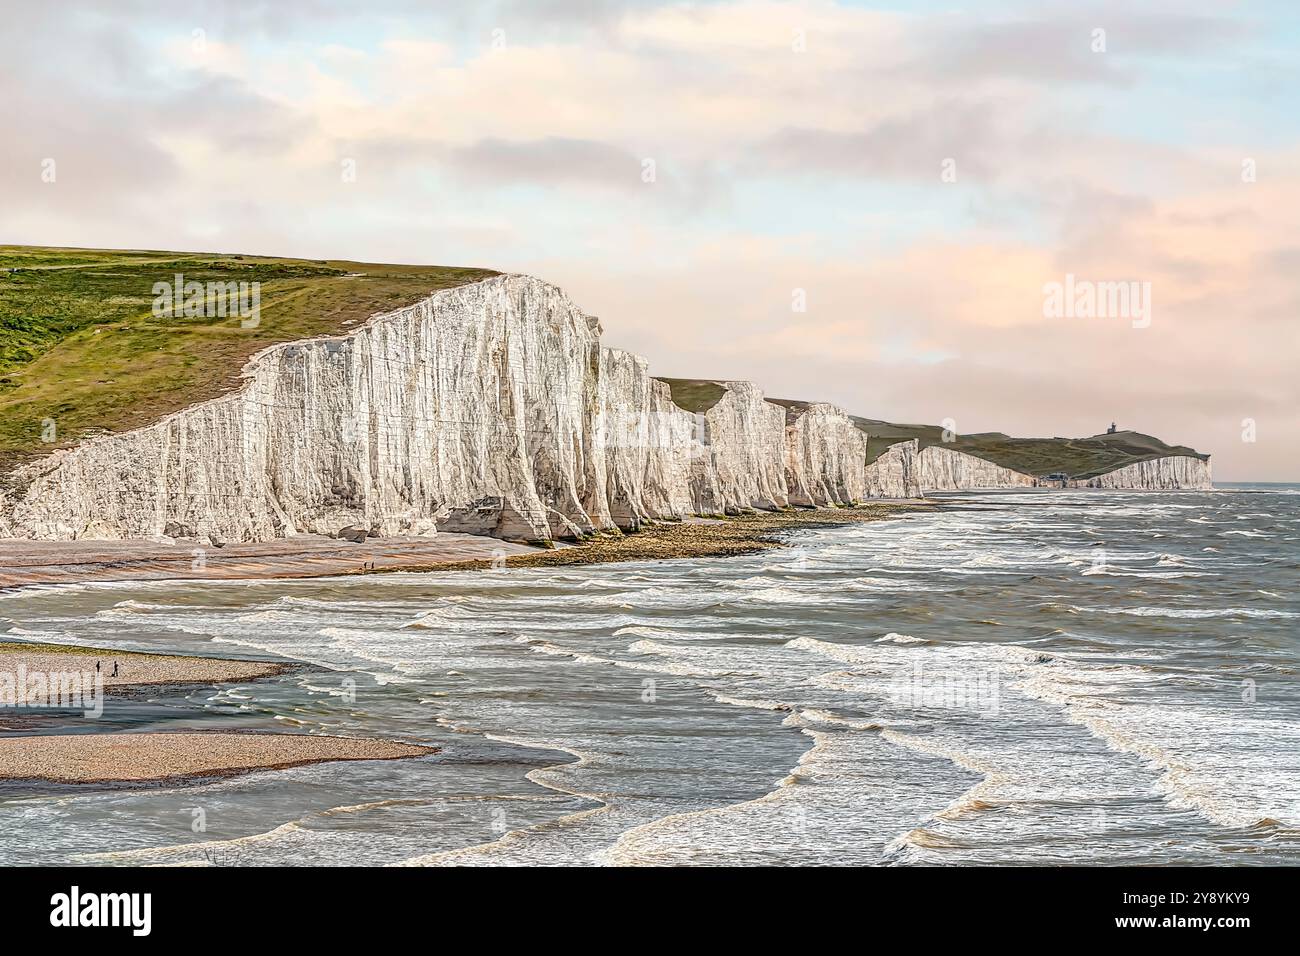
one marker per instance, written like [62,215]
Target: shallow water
[1074,677]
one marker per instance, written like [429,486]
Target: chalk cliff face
[473,409]
[827,457]
[745,435]
[895,474]
[1172,473]
[655,465]
[488,408]
[942,469]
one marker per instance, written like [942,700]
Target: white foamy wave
[1151,575]
[127,607]
[774,705]
[1213,783]
[784,595]
[546,647]
[893,638]
[268,616]
[1195,612]
[844,653]
[443,617]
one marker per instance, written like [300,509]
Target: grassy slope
[1076,457]
[79,343]
[793,408]
[694,394]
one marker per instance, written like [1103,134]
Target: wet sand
[24,563]
[134,758]
[132,668]
[692,538]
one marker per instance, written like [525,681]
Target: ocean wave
[1151,575]
[893,638]
[1114,703]
[39,590]
[131,606]
[441,617]
[1194,613]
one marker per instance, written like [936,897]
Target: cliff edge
[493,408]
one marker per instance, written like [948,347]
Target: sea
[1010,678]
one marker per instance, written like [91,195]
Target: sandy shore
[132,668]
[24,563]
[135,757]
[692,538]
[130,758]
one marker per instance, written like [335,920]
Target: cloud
[912,146]
[796,145]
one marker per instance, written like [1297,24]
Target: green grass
[79,344]
[793,408]
[695,394]
[1075,457]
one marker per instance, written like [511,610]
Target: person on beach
[114,674]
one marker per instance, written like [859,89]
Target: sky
[863,203]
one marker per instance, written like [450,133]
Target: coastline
[723,537]
[57,680]
[132,758]
[45,563]
[134,668]
[25,563]
[129,758]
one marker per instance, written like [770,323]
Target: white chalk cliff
[896,472]
[489,408]
[943,469]
[1171,473]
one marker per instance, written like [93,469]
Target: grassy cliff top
[1075,457]
[694,394]
[793,408]
[80,346]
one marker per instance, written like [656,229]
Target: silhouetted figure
[114,674]
[1111,430]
